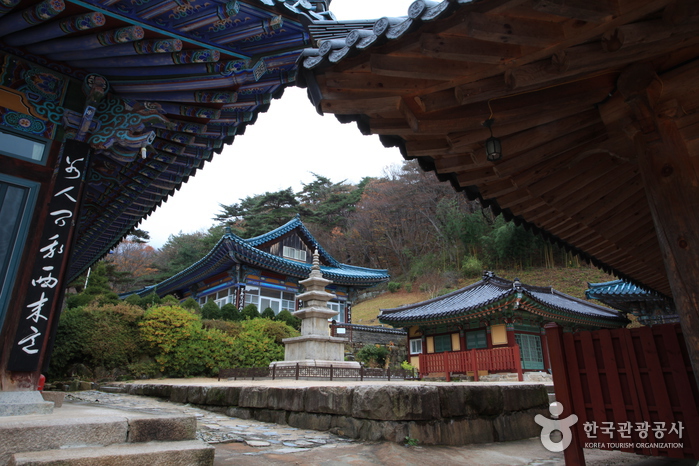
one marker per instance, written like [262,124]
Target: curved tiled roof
[183,80]
[293,224]
[619,289]
[232,249]
[547,75]
[496,292]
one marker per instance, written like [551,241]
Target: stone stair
[82,435]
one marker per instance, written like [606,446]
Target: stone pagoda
[315,346]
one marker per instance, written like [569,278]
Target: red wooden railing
[632,390]
[492,360]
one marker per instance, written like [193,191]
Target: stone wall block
[269,415]
[345,426]
[371,430]
[289,399]
[487,400]
[222,396]
[518,425]
[178,394]
[455,401]
[310,421]
[197,395]
[330,400]
[522,397]
[253,397]
[164,428]
[158,390]
[396,403]
[392,431]
[240,413]
[461,432]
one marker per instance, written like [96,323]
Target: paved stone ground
[254,443]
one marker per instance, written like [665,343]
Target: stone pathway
[255,443]
[216,428]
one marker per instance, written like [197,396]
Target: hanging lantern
[493,146]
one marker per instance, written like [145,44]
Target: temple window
[442,343]
[21,147]
[416,346]
[295,254]
[476,339]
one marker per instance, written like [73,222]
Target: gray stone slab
[23,403]
[189,453]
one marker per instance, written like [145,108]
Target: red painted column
[574,455]
[545,350]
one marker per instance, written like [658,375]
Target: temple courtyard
[252,442]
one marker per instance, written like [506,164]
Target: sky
[284,147]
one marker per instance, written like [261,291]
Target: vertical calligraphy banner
[51,260]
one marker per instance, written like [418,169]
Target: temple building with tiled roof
[649,307]
[493,314]
[265,271]
[106,109]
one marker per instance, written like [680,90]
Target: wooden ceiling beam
[579,185]
[555,120]
[417,67]
[390,126]
[550,166]
[381,105]
[523,149]
[497,188]
[457,165]
[520,31]
[575,34]
[453,47]
[436,101]
[646,32]
[369,82]
[596,11]
[476,177]
[597,190]
[619,194]
[427,147]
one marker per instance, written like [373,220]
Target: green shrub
[191,304]
[134,300]
[259,343]
[289,319]
[373,355]
[150,300]
[101,339]
[394,286]
[170,300]
[268,313]
[230,312]
[230,328]
[472,267]
[179,344]
[210,310]
[249,312]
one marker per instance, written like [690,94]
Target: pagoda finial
[316,260]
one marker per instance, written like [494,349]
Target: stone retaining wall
[448,414]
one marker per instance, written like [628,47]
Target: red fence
[632,390]
[492,360]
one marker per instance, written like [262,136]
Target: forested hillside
[421,230]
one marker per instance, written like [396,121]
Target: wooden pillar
[545,350]
[574,455]
[511,340]
[671,179]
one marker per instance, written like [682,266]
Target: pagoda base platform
[314,347]
[316,363]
